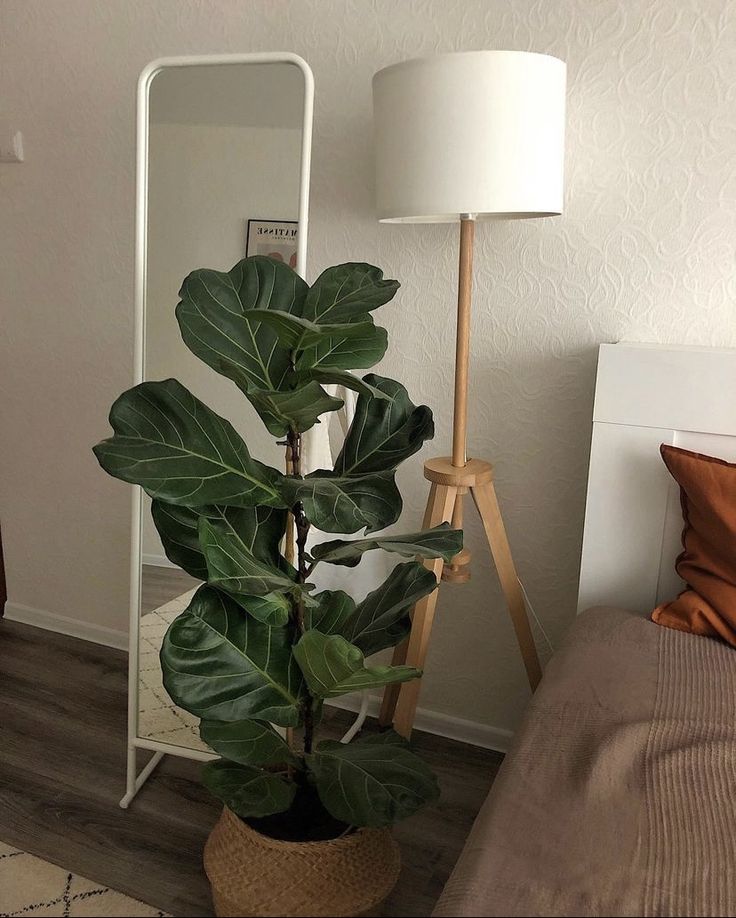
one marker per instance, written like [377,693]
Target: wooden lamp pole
[450,479]
[459,571]
[462,342]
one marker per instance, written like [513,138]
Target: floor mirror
[223,156]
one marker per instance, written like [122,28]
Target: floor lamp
[463,137]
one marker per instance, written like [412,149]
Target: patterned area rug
[158,717]
[30,886]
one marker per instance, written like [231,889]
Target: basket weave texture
[253,875]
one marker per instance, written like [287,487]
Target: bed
[619,795]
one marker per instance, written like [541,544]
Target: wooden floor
[160,585]
[62,772]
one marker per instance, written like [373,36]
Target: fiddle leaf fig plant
[259,645]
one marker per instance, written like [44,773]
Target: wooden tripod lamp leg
[485,499]
[416,647]
[391,692]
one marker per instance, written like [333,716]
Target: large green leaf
[332,666]
[439,542]
[382,618]
[383,433]
[178,529]
[234,567]
[347,351]
[297,334]
[272,609]
[345,292]
[339,377]
[180,451]
[341,504]
[246,790]
[219,664]
[247,742]
[332,609]
[374,781]
[214,323]
[261,527]
[293,409]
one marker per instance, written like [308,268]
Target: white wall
[205,182]
[645,251]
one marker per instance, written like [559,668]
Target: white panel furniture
[647,395]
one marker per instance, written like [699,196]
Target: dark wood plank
[62,772]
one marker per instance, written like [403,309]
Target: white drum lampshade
[476,133]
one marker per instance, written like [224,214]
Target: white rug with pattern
[158,716]
[31,886]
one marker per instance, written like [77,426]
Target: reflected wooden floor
[159,585]
[62,772]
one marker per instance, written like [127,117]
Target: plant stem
[302,525]
[289,540]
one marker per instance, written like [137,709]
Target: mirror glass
[224,166]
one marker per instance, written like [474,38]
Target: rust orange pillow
[708,561]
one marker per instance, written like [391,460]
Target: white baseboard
[50,621]
[158,561]
[454,728]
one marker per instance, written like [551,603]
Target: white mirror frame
[135,782]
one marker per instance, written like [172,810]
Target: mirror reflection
[224,163]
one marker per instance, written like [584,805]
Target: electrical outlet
[11,145]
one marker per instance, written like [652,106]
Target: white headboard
[647,395]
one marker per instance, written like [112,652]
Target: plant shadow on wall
[257,646]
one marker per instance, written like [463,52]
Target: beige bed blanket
[619,797]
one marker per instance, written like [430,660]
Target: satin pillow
[708,561]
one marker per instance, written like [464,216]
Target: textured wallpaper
[644,251]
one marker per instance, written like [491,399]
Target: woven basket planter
[253,875]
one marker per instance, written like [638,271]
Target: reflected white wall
[205,182]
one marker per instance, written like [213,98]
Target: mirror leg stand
[449,484]
[133,783]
